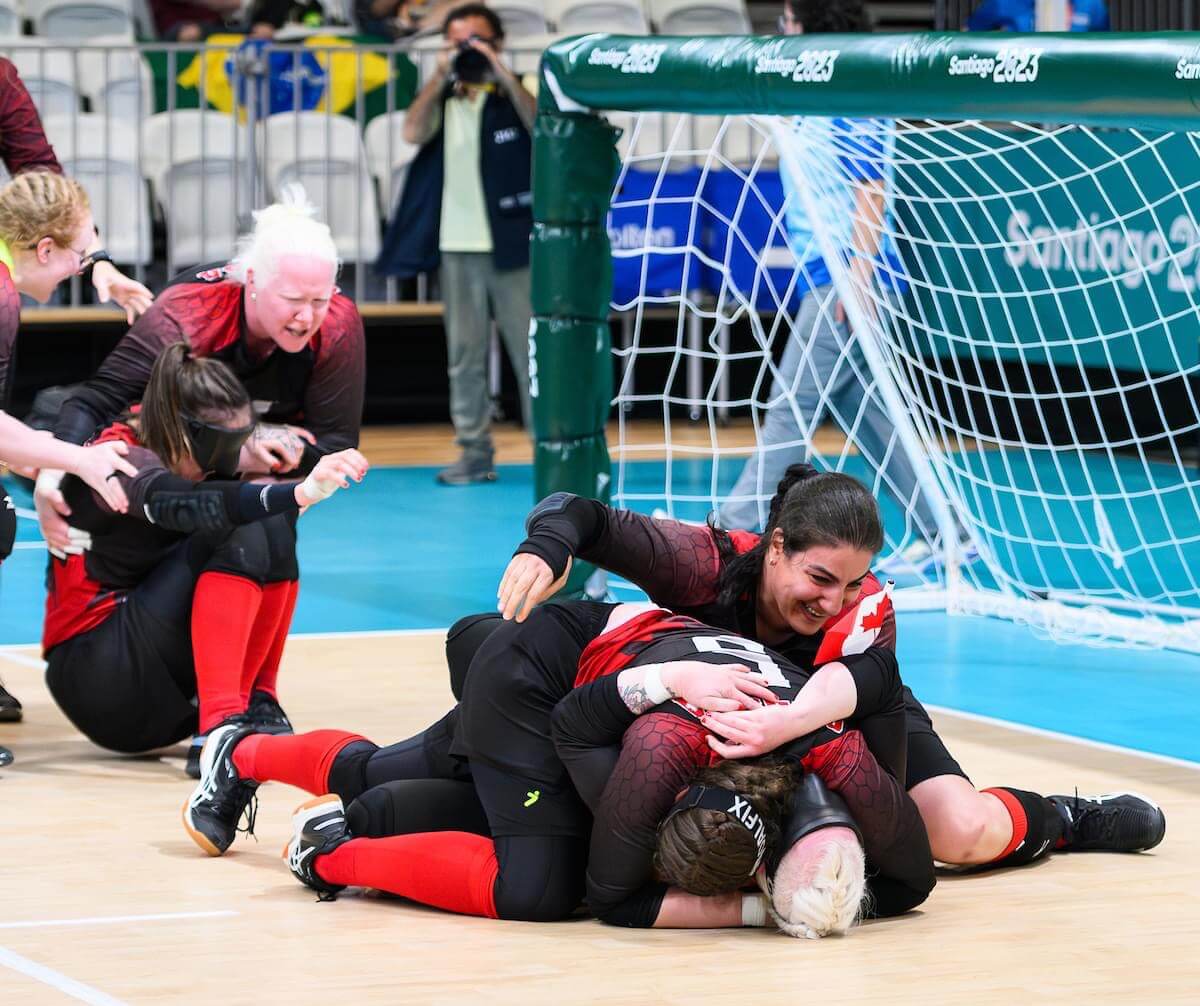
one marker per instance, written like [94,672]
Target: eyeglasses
[85,260]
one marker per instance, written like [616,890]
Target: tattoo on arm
[632,690]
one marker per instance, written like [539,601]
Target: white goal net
[993,325]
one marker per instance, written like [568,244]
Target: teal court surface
[400,552]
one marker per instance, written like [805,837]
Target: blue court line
[401,552]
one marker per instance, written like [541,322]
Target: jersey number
[747,651]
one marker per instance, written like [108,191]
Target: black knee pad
[280,532]
[412,806]
[541,878]
[243,552]
[463,641]
[347,774]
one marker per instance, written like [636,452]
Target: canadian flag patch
[858,628]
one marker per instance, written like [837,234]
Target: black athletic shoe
[318,827]
[10,708]
[267,715]
[196,744]
[1114,822]
[6,757]
[212,812]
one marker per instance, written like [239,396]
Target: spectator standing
[467,209]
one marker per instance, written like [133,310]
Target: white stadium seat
[116,80]
[573,17]
[699,17]
[196,161]
[102,154]
[325,154]
[80,20]
[521,18]
[389,155]
[49,75]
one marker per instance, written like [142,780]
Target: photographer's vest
[412,242]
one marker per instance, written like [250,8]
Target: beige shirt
[465,225]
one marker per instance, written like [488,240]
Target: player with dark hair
[130,652]
[276,318]
[777,589]
[521,840]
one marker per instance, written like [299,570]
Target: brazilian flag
[329,76]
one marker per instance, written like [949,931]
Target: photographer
[467,208]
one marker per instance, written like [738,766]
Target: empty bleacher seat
[699,17]
[572,17]
[10,19]
[521,18]
[389,155]
[80,20]
[116,80]
[196,160]
[49,75]
[102,154]
[325,154]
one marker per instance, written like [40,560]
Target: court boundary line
[56,979]
[7,648]
[94,920]
[1056,735]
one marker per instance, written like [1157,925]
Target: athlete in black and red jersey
[777,589]
[274,315]
[489,772]
[187,597]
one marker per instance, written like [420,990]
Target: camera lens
[470,65]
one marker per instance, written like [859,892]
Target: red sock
[267,638]
[303,760]
[452,870]
[267,668]
[224,609]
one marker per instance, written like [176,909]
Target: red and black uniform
[319,388]
[630,769]
[500,778]
[117,636]
[679,566]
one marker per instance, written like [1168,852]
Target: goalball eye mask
[216,448]
[729,802]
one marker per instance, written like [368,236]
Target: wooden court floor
[104,899]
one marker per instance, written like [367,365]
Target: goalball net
[962,268]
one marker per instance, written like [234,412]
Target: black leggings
[129,684]
[541,877]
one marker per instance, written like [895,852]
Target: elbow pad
[552,504]
[188,512]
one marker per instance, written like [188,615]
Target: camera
[470,65]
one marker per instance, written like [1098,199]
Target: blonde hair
[288,227]
[40,204]
[820,884]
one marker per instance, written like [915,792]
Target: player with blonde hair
[45,229]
